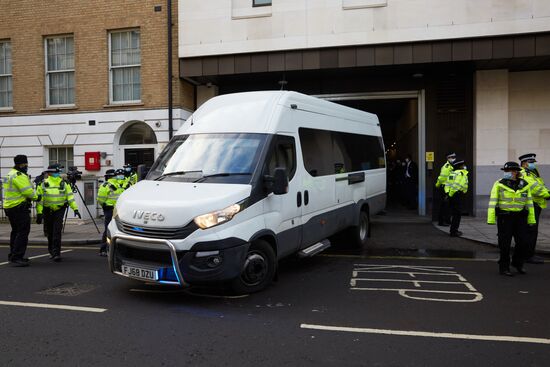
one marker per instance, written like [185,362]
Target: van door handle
[306,197]
[299,199]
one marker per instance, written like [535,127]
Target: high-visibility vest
[507,199]
[56,194]
[110,191]
[132,179]
[17,189]
[538,188]
[457,182]
[444,174]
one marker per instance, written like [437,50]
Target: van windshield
[217,158]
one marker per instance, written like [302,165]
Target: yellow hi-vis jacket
[56,193]
[110,191]
[132,179]
[536,185]
[446,170]
[507,199]
[457,182]
[17,189]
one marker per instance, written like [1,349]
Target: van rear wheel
[259,269]
[358,235]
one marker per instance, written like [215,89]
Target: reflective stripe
[47,195]
[70,201]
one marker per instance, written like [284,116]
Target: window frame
[57,148]
[47,72]
[254,5]
[9,77]
[111,68]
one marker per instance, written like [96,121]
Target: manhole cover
[68,289]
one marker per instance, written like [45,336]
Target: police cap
[54,168]
[458,163]
[528,157]
[119,171]
[110,173]
[511,166]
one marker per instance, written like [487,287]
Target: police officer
[18,193]
[130,174]
[107,197]
[511,207]
[444,215]
[56,196]
[455,187]
[540,195]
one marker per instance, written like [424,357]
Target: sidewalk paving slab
[76,233]
[477,229]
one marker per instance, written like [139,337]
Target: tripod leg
[65,220]
[75,189]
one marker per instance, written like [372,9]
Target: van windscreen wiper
[175,173]
[222,174]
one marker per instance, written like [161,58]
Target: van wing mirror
[278,182]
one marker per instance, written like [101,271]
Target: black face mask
[23,169]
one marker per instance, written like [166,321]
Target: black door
[135,157]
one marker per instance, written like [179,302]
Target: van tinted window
[330,152]
[283,155]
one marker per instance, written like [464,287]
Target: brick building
[79,77]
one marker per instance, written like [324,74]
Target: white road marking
[497,338]
[408,258]
[36,257]
[50,306]
[413,275]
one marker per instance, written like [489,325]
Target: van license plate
[140,273]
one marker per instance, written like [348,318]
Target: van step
[314,249]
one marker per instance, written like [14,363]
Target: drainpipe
[170,103]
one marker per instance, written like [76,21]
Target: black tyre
[259,268]
[358,235]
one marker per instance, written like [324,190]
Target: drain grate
[68,289]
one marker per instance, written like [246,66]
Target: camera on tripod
[73,174]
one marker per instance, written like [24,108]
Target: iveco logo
[147,216]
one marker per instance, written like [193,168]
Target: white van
[250,179]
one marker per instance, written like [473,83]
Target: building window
[62,155]
[125,66]
[6,87]
[261,2]
[60,71]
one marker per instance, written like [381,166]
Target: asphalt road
[378,307]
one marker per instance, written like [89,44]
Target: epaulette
[18,173]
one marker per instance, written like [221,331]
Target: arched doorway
[137,144]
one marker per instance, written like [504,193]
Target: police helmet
[110,173]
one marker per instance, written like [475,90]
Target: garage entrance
[402,121]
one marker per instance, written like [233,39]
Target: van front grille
[170,233]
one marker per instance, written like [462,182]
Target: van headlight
[218,217]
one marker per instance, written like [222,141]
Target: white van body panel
[191,201]
[314,205]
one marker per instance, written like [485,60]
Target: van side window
[317,151]
[283,156]
[333,152]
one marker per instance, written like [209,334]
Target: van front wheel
[358,235]
[259,269]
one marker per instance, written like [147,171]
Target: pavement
[477,229]
[77,233]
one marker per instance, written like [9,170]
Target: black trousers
[20,221]
[53,225]
[444,209]
[108,212]
[512,225]
[455,204]
[410,193]
[533,234]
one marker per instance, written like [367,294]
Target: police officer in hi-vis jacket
[18,194]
